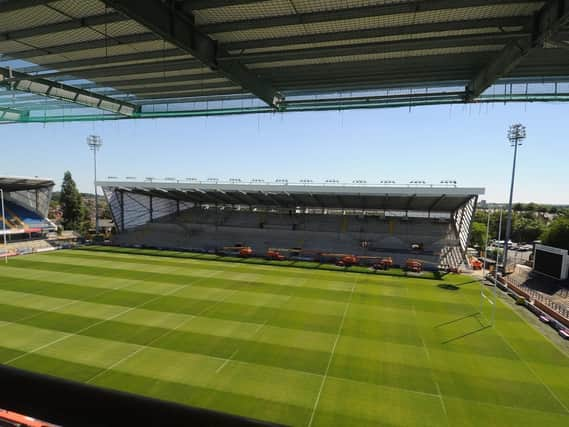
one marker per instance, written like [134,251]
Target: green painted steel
[372,102]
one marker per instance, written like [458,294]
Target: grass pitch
[296,346]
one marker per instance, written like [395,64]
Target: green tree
[478,234]
[71,204]
[557,234]
[527,229]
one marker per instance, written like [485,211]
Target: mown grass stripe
[380,373]
[310,266]
[361,369]
[329,295]
[332,352]
[385,331]
[189,263]
[86,328]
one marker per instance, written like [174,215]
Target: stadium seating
[19,217]
[212,229]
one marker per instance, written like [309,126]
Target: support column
[122,209]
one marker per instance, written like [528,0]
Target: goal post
[487,309]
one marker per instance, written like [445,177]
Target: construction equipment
[383,264]
[238,250]
[414,265]
[475,263]
[298,254]
[274,255]
[347,261]
[341,260]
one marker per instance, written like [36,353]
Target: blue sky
[465,143]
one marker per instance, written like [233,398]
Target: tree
[527,229]
[71,204]
[478,234]
[557,233]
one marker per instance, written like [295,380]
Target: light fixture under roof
[18,81]
[12,115]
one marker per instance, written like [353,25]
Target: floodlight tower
[516,134]
[95,142]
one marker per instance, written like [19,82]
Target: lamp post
[95,142]
[516,134]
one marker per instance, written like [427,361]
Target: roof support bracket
[177,27]
[546,23]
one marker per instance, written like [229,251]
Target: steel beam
[439,27]
[409,203]
[208,4]
[378,66]
[81,46]
[351,13]
[122,70]
[444,42]
[547,22]
[142,81]
[192,94]
[435,203]
[25,83]
[57,27]
[141,90]
[77,65]
[12,5]
[178,28]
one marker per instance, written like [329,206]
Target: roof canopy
[360,197]
[111,59]
[19,183]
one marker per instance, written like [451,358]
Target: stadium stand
[429,223]
[25,218]
[26,203]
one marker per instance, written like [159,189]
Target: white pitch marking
[331,355]
[67,304]
[226,362]
[428,353]
[260,327]
[143,347]
[533,372]
[486,298]
[114,316]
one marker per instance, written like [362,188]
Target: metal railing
[562,309]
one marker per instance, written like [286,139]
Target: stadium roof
[367,197]
[112,59]
[20,183]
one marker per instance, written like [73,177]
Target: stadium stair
[5,221]
[21,217]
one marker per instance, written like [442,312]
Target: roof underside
[107,59]
[10,184]
[432,199]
